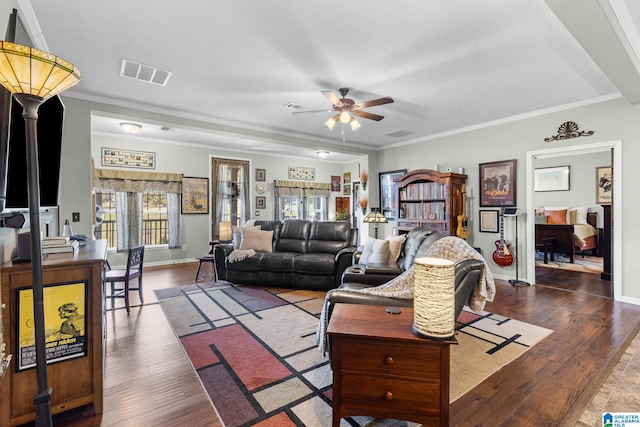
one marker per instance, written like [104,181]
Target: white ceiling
[449,65]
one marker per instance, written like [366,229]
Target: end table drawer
[392,358]
[382,395]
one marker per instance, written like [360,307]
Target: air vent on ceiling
[144,73]
[292,106]
[166,128]
[398,133]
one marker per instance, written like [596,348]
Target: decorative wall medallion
[568,130]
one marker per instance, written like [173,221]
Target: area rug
[586,264]
[255,354]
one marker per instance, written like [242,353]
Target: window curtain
[129,187]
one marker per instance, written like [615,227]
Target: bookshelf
[428,198]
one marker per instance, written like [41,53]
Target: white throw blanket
[452,248]
[240,254]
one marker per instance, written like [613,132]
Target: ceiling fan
[345,107]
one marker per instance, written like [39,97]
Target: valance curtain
[129,187]
[302,189]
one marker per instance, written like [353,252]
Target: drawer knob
[388,360]
[388,396]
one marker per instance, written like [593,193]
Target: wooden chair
[133,270]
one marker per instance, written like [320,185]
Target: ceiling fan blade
[314,111]
[373,103]
[366,115]
[332,98]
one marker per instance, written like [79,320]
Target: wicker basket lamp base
[434,298]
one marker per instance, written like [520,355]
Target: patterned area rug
[586,264]
[254,351]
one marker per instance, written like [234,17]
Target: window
[313,208]
[231,192]
[154,219]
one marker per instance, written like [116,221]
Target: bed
[569,237]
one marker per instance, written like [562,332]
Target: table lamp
[224,230]
[376,218]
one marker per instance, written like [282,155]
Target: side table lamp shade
[33,76]
[434,298]
[376,218]
[224,230]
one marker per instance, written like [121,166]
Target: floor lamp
[376,218]
[33,76]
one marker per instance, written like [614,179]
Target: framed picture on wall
[195,195]
[389,197]
[498,183]
[604,185]
[261,202]
[489,221]
[551,179]
[261,174]
[335,182]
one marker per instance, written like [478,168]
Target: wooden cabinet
[430,199]
[77,381]
[382,369]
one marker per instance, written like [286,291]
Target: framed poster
[346,190]
[335,182]
[299,172]
[195,195]
[604,185]
[261,174]
[65,306]
[261,202]
[551,179]
[389,197]
[498,183]
[347,177]
[128,159]
[489,221]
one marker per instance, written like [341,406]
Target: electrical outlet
[184,247]
[75,217]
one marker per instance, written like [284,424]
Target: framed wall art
[65,306]
[347,177]
[498,183]
[389,197]
[604,185]
[261,174]
[489,221]
[195,195]
[335,182]
[299,172]
[551,179]
[346,190]
[128,159]
[261,202]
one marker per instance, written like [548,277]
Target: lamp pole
[42,399]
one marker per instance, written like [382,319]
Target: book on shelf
[55,240]
[70,247]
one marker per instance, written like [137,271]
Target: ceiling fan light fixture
[331,122]
[131,128]
[322,154]
[345,117]
[355,124]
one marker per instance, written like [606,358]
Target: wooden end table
[382,369]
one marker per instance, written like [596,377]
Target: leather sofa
[418,241]
[305,255]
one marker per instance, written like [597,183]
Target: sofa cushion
[329,236]
[258,240]
[395,246]
[315,264]
[282,262]
[415,237]
[375,251]
[248,264]
[294,236]
[236,234]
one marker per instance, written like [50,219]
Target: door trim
[617,201]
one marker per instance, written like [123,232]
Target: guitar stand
[516,282]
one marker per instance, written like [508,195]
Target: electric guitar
[502,255]
[463,221]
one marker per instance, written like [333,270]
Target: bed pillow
[578,215]
[558,208]
[258,240]
[236,235]
[556,216]
[541,219]
[375,251]
[395,246]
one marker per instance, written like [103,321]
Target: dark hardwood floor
[149,382]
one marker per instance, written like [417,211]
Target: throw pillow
[258,240]
[556,217]
[395,246]
[578,215]
[541,219]
[375,251]
[559,208]
[236,235]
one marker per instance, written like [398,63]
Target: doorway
[614,148]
